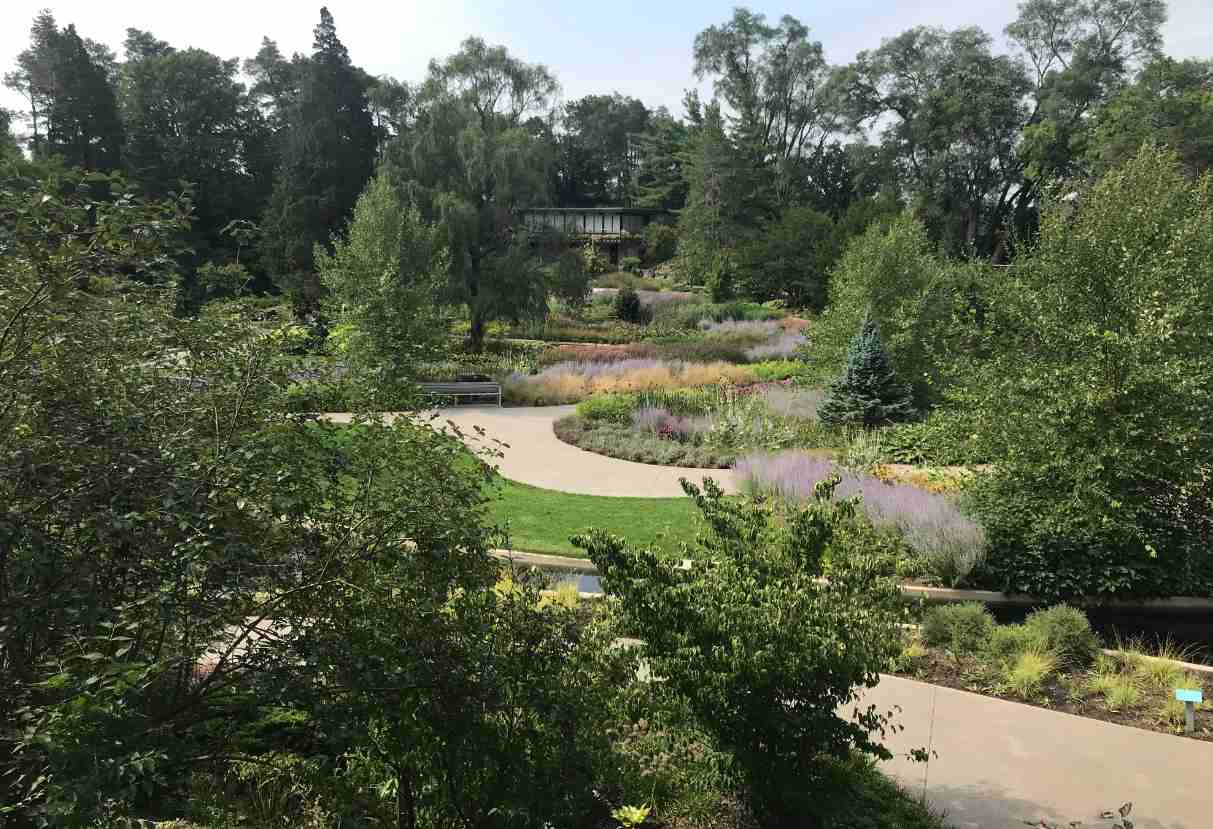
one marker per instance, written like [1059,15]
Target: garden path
[1003,764]
[534,455]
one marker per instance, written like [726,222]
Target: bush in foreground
[718,634]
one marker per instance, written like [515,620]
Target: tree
[891,274]
[791,258]
[1169,104]
[658,180]
[953,112]
[328,155]
[187,119]
[73,110]
[1079,54]
[773,80]
[1098,391]
[470,163]
[597,150]
[9,148]
[868,393]
[719,633]
[727,197]
[386,282]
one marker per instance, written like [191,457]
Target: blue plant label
[1186,695]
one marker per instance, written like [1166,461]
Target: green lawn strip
[542,520]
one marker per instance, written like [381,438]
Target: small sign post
[1190,699]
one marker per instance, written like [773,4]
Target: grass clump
[964,628]
[1025,676]
[1067,632]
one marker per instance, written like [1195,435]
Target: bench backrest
[461,388]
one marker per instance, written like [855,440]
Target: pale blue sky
[636,48]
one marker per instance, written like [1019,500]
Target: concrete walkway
[1003,764]
[537,457]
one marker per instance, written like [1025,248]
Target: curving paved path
[534,455]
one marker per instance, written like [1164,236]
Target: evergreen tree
[868,393]
[327,158]
[73,109]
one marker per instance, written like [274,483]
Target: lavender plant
[950,543]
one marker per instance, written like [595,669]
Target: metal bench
[463,389]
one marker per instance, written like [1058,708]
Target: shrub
[1007,642]
[963,629]
[1100,385]
[932,524]
[629,264]
[1067,632]
[627,306]
[614,408]
[725,652]
[660,242]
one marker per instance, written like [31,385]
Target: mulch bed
[938,668]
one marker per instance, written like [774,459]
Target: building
[617,232]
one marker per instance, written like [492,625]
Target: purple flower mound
[649,419]
[930,522]
[783,347]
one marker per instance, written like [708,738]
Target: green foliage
[951,113]
[629,264]
[1066,632]
[791,258]
[717,633]
[891,274]
[1027,672]
[569,281]
[614,408]
[327,157]
[593,260]
[1007,642]
[386,283]
[868,393]
[964,629]
[660,242]
[627,306]
[469,162]
[1098,391]
[950,436]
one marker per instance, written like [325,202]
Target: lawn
[542,520]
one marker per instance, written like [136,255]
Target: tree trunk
[406,800]
[477,333]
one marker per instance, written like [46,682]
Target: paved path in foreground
[1003,764]
[535,456]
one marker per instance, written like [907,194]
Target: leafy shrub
[725,652]
[627,306]
[961,628]
[947,437]
[660,242]
[1007,642]
[629,264]
[1067,632]
[1101,387]
[614,408]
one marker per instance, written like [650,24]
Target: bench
[462,389]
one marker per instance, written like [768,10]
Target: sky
[642,49]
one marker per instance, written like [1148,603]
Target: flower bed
[573,381]
[703,427]
[948,543]
[1053,660]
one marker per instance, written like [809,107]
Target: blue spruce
[868,393]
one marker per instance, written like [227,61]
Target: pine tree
[327,158]
[868,393]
